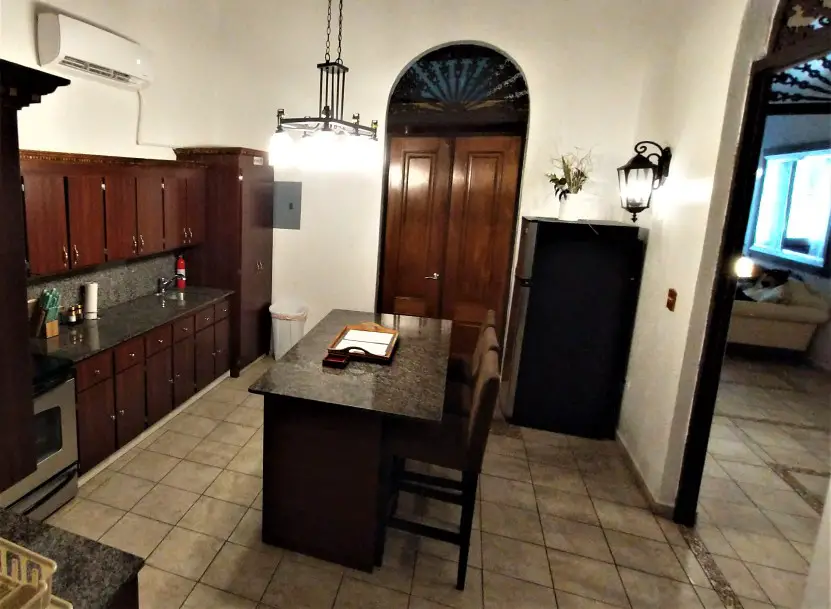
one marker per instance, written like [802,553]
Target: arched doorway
[456,127]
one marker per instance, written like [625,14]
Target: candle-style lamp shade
[643,174]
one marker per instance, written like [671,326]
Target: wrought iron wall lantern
[331,97]
[643,174]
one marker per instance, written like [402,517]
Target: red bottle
[181,275]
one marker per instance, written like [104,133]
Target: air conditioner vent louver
[94,68]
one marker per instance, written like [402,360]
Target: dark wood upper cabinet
[150,213]
[120,195]
[205,355]
[96,424]
[184,380]
[129,404]
[85,201]
[222,358]
[45,205]
[196,207]
[159,385]
[175,212]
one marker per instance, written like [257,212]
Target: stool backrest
[485,392]
[487,342]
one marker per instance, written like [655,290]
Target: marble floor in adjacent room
[560,523]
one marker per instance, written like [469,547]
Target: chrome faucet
[164,284]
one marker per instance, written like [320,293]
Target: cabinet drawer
[129,354]
[183,328]
[204,318]
[93,370]
[222,310]
[158,339]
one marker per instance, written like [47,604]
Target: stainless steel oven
[55,482]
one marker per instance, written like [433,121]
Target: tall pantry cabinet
[236,254]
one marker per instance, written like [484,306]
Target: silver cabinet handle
[65,257]
[132,355]
[434,277]
[121,412]
[135,245]
[178,376]
[77,255]
[171,381]
[185,235]
[96,372]
[141,243]
[190,234]
[161,341]
[112,416]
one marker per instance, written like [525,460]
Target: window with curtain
[791,216]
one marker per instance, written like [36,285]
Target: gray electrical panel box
[287,196]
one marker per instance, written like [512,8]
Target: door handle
[65,257]
[76,254]
[112,416]
[190,234]
[141,241]
[121,412]
[135,245]
[433,277]
[171,381]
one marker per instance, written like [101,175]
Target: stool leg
[469,483]
[386,484]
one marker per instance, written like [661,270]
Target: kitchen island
[323,430]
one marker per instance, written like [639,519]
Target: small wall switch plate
[672,298]
[287,197]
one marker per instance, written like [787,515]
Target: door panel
[122,240]
[175,212]
[86,220]
[479,235]
[48,247]
[183,371]
[159,386]
[221,344]
[204,358]
[196,207]
[129,404]
[150,214]
[96,425]
[250,276]
[416,224]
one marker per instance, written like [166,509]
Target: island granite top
[125,321]
[413,385]
[89,574]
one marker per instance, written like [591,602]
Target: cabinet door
[221,346]
[122,237]
[204,358]
[196,207]
[183,371]
[129,404]
[85,198]
[96,425]
[175,212]
[159,385]
[265,243]
[46,223]
[150,213]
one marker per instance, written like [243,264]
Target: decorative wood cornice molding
[73,158]
[218,150]
[21,86]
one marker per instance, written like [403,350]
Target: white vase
[572,208]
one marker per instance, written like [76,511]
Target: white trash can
[288,320]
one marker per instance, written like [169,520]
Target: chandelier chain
[329,29]
[340,30]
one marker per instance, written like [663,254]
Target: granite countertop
[411,386]
[123,322]
[89,574]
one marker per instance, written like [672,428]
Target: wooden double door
[450,222]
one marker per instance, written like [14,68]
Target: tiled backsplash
[115,285]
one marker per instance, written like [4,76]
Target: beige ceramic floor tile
[241,571]
[205,597]
[737,516]
[551,455]
[730,450]
[768,551]
[121,491]
[648,591]
[249,533]
[190,476]
[213,517]
[87,518]
[249,461]
[229,396]
[586,577]
[150,466]
[435,580]
[571,506]
[136,535]
[231,433]
[565,600]
[211,409]
[723,489]
[235,487]
[249,417]
[516,523]
[355,594]
[161,590]
[762,476]
[715,541]
[449,551]
[653,557]
[739,578]
[131,454]
[423,603]
[806,550]
[626,494]
[504,445]
[174,444]
[254,401]
[751,604]
[299,586]
[508,593]
[787,502]
[191,425]
[783,588]
[558,477]
[514,558]
[695,574]
[217,454]
[671,531]
[506,467]
[576,537]
[818,485]
[185,553]
[258,502]
[507,492]
[165,504]
[709,598]
[93,484]
[540,436]
[628,520]
[795,528]
[393,578]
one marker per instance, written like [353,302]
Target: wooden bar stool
[461,368]
[461,377]
[457,443]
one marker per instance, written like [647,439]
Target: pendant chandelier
[329,119]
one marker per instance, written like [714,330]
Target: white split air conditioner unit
[82,49]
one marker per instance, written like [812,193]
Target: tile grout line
[705,559]
[786,473]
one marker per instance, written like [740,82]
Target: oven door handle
[44,493]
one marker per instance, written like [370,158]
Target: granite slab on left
[125,321]
[90,575]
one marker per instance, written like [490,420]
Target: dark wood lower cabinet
[184,381]
[159,386]
[96,425]
[222,359]
[129,404]
[205,358]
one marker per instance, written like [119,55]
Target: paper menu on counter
[375,343]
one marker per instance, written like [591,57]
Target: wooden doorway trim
[733,234]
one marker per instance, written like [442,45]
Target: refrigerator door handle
[524,282]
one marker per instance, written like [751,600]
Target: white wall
[694,100]
[817,593]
